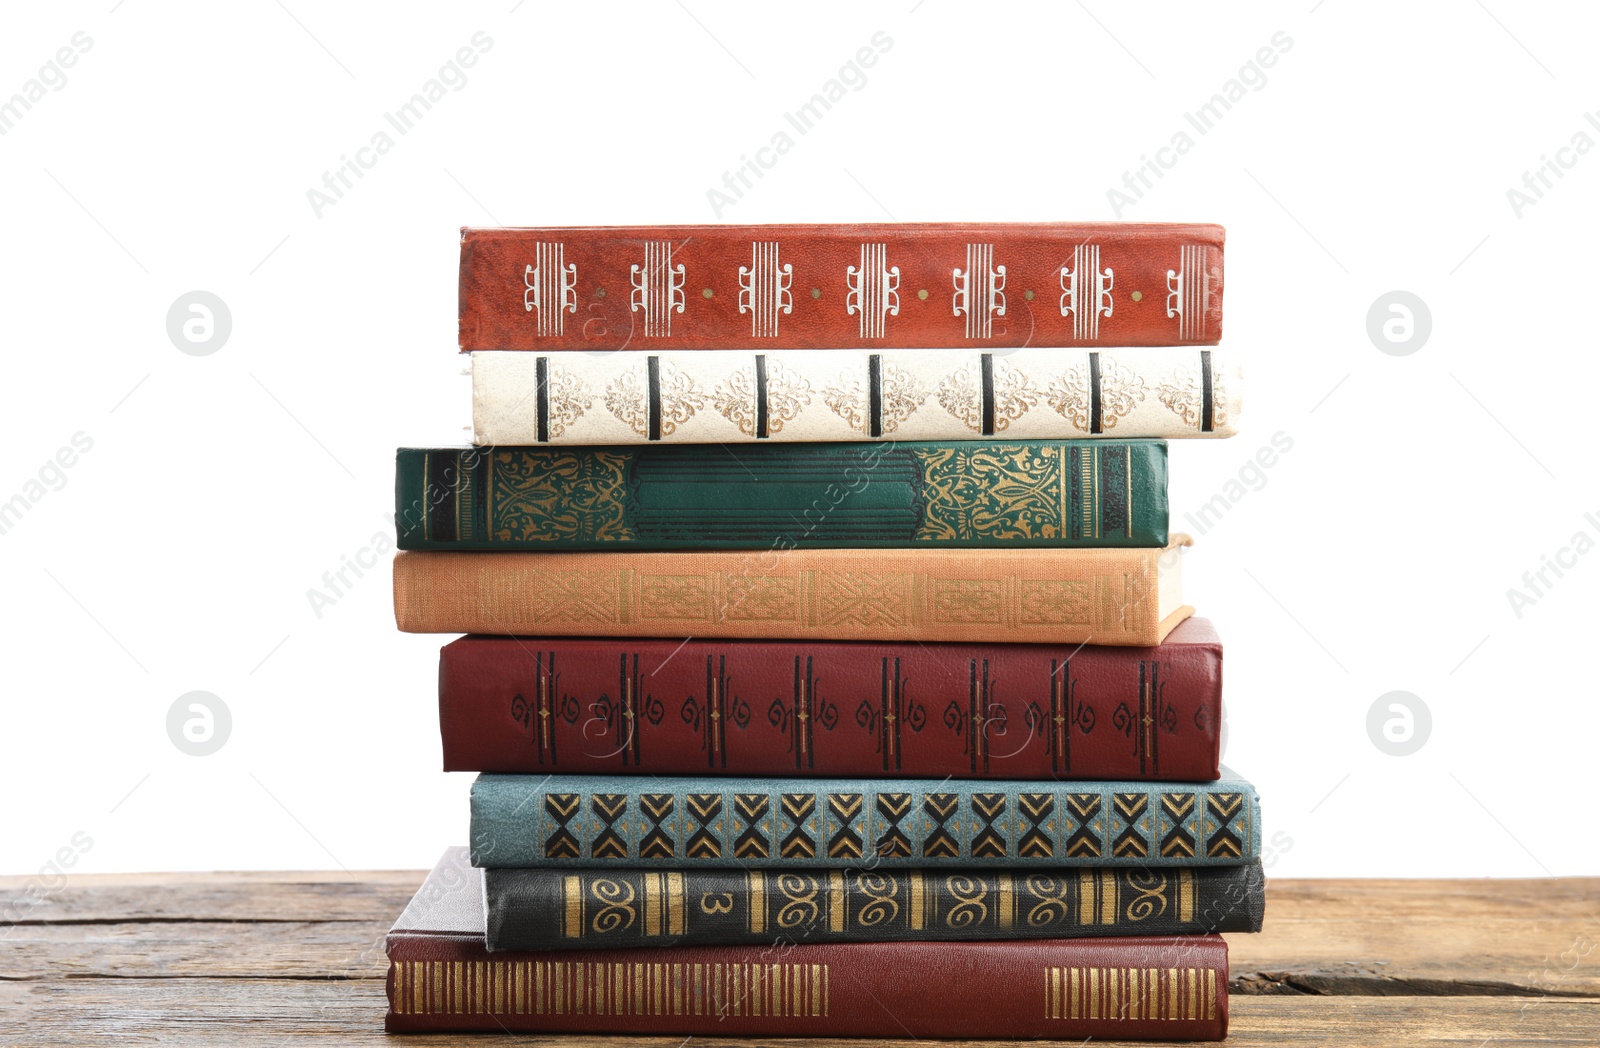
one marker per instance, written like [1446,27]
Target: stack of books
[822,691]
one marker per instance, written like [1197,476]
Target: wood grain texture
[277,958]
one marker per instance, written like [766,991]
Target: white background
[1374,556]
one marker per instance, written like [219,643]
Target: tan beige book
[1053,596]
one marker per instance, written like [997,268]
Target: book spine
[833,708]
[753,823]
[809,287]
[1154,988]
[1081,596]
[788,396]
[610,909]
[1063,494]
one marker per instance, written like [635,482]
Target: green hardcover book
[1049,493]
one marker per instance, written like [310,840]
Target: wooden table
[278,958]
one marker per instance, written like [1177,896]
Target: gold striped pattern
[1130,993]
[786,991]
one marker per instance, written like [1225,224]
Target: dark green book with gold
[1044,493]
[547,909]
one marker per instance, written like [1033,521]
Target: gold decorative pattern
[1121,390]
[760,598]
[1182,395]
[993,492]
[858,598]
[608,988]
[547,495]
[968,600]
[1114,993]
[568,399]
[675,597]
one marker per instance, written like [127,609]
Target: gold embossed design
[764,598]
[615,910]
[735,398]
[1182,396]
[1118,993]
[550,495]
[568,399]
[1121,390]
[863,599]
[787,394]
[1057,602]
[1046,896]
[1149,894]
[970,895]
[880,902]
[961,395]
[968,600]
[993,492]
[570,597]
[608,988]
[800,906]
[675,597]
[900,394]
[628,398]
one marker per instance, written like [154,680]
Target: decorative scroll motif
[1002,400]
[550,288]
[899,394]
[1185,395]
[566,398]
[1188,290]
[629,396]
[979,291]
[550,495]
[657,288]
[1078,395]
[537,715]
[874,290]
[764,289]
[1086,291]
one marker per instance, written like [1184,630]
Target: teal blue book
[961,494]
[579,821]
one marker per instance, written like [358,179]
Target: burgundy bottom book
[442,978]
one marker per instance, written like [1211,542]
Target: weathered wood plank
[250,896]
[262,1013]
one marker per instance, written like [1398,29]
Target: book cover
[917,285]
[742,397]
[1062,494]
[662,822]
[546,909]
[1039,596]
[442,979]
[631,706]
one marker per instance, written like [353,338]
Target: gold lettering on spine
[757,921]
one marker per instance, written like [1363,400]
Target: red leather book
[442,979]
[913,286]
[834,708]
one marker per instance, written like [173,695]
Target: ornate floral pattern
[1121,390]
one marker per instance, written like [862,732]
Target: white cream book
[736,396]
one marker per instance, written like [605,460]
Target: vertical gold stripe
[675,903]
[1185,895]
[1211,993]
[758,902]
[1094,993]
[572,892]
[1193,1010]
[1086,897]
[1108,899]
[652,904]
[836,912]
[1008,901]
[918,900]
[825,971]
